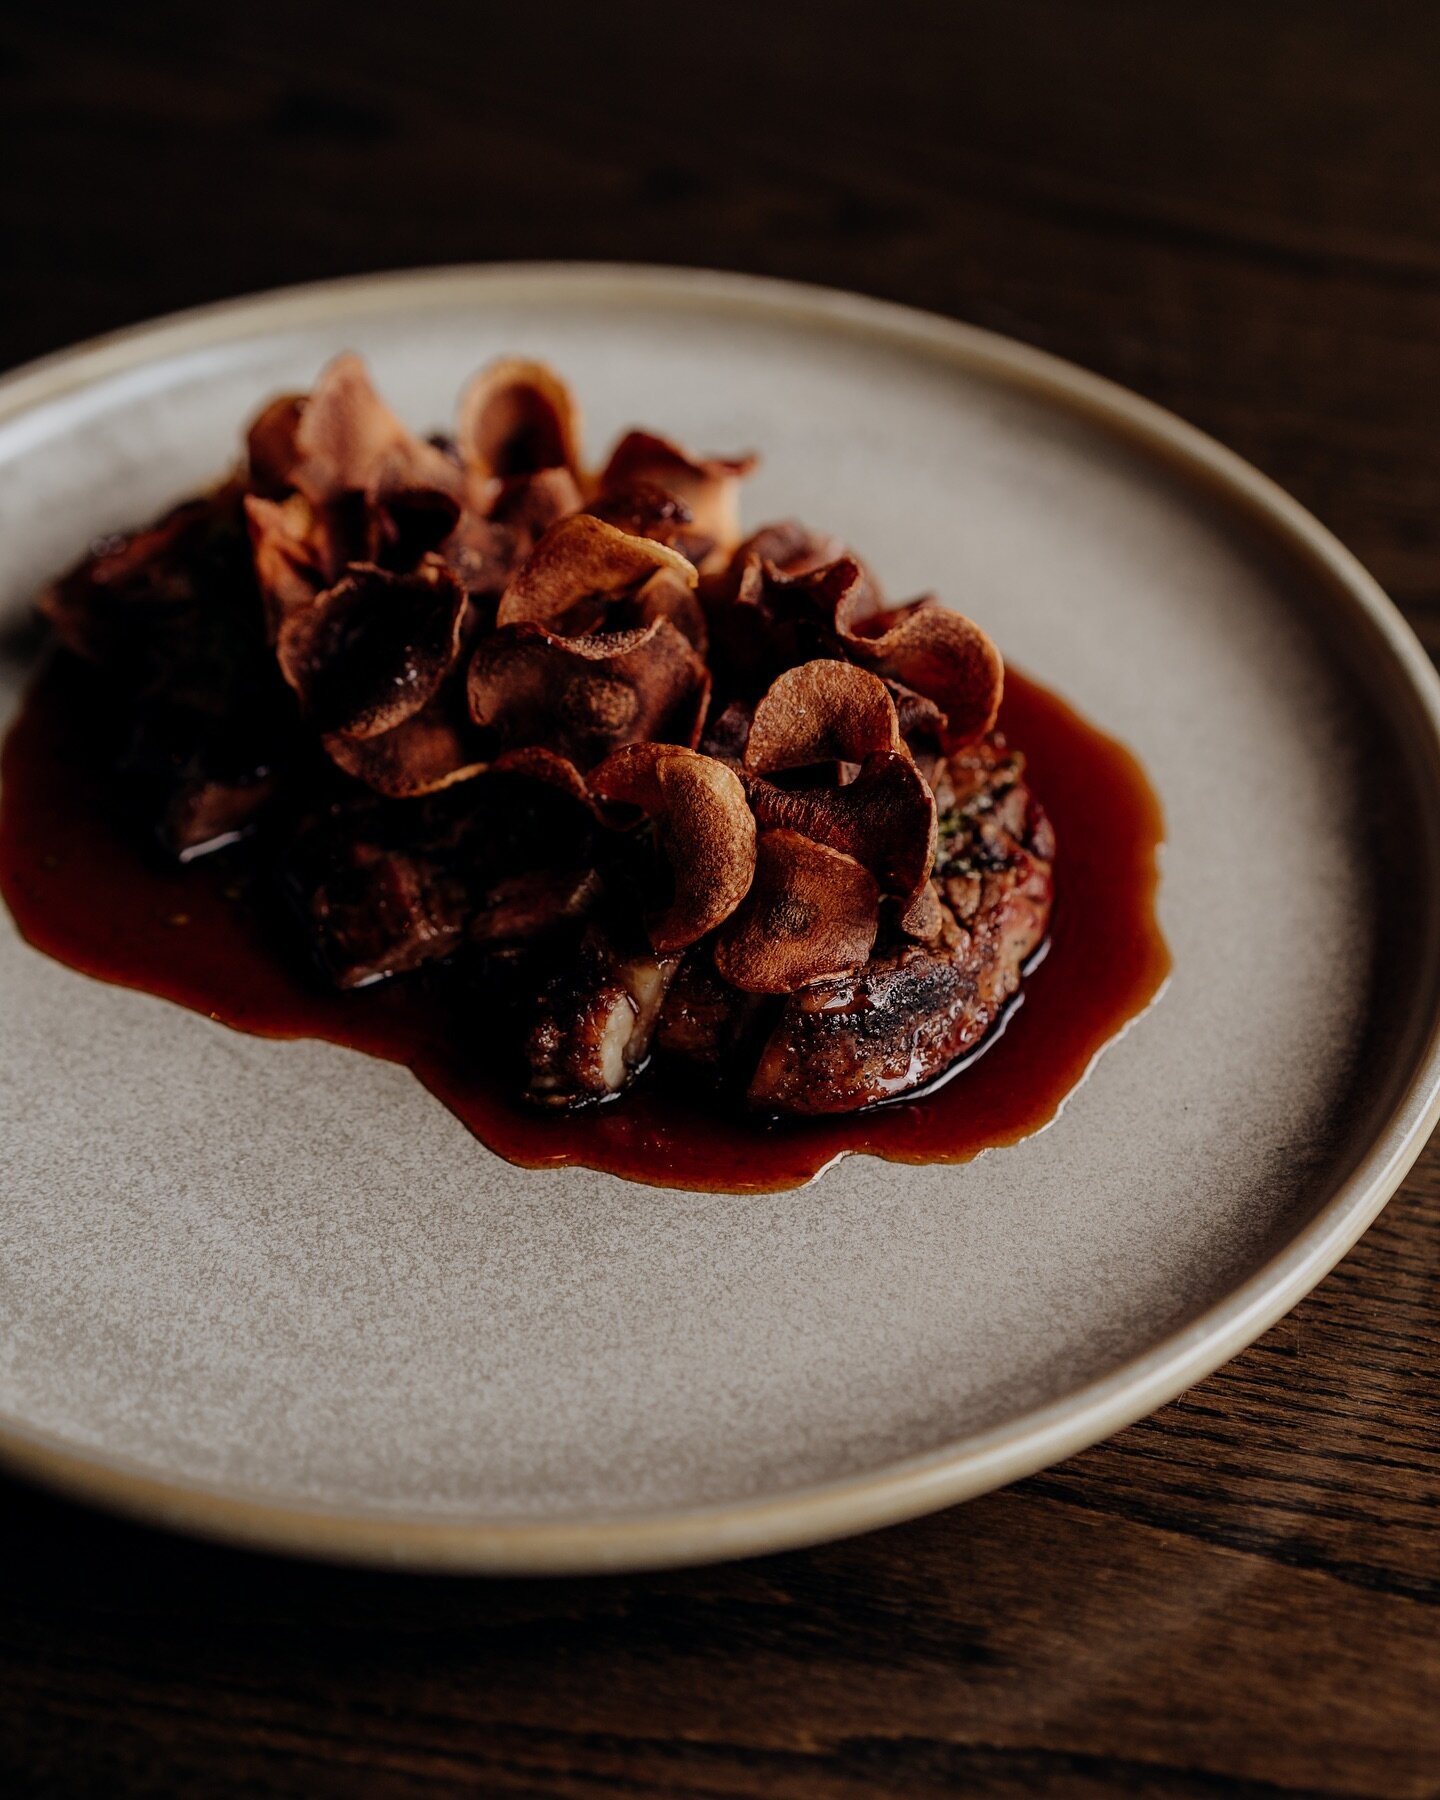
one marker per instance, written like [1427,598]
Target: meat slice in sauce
[596,1022]
[851,1041]
[707,1022]
[373,911]
[896,1024]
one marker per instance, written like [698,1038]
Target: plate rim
[964,1468]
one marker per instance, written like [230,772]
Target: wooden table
[1234,208]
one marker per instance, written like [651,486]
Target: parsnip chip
[704,826]
[884,818]
[373,650]
[580,570]
[707,486]
[517,417]
[811,911]
[821,712]
[667,595]
[790,548]
[431,750]
[270,444]
[544,765]
[943,656]
[584,696]
[347,440]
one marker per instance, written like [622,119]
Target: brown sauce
[82,891]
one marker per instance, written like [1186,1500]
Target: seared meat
[851,1041]
[902,1019]
[596,1021]
[382,887]
[374,912]
[706,1021]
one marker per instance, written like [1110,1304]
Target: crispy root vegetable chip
[496,534]
[371,651]
[790,548]
[921,720]
[773,606]
[299,549]
[648,511]
[583,697]
[885,819]
[429,751]
[811,911]
[645,510]
[407,523]
[707,486]
[923,918]
[667,595]
[531,504]
[579,569]
[942,656]
[822,712]
[293,553]
[346,440]
[938,654]
[705,828]
[517,418]
[544,765]
[270,444]
[790,574]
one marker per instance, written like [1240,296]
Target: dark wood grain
[1234,207]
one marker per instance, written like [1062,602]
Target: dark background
[1233,207]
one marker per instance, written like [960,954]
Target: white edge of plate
[959,1471]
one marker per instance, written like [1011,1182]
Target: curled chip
[583,569]
[584,696]
[787,547]
[646,510]
[346,440]
[431,750]
[270,451]
[822,712]
[704,826]
[371,651]
[707,486]
[921,720]
[295,555]
[544,765]
[942,656]
[337,478]
[770,608]
[884,818]
[925,647]
[486,548]
[811,911]
[518,418]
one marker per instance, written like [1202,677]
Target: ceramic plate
[275,1291]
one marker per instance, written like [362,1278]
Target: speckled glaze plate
[276,1293]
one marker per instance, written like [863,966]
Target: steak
[847,1041]
[856,1040]
[595,1022]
